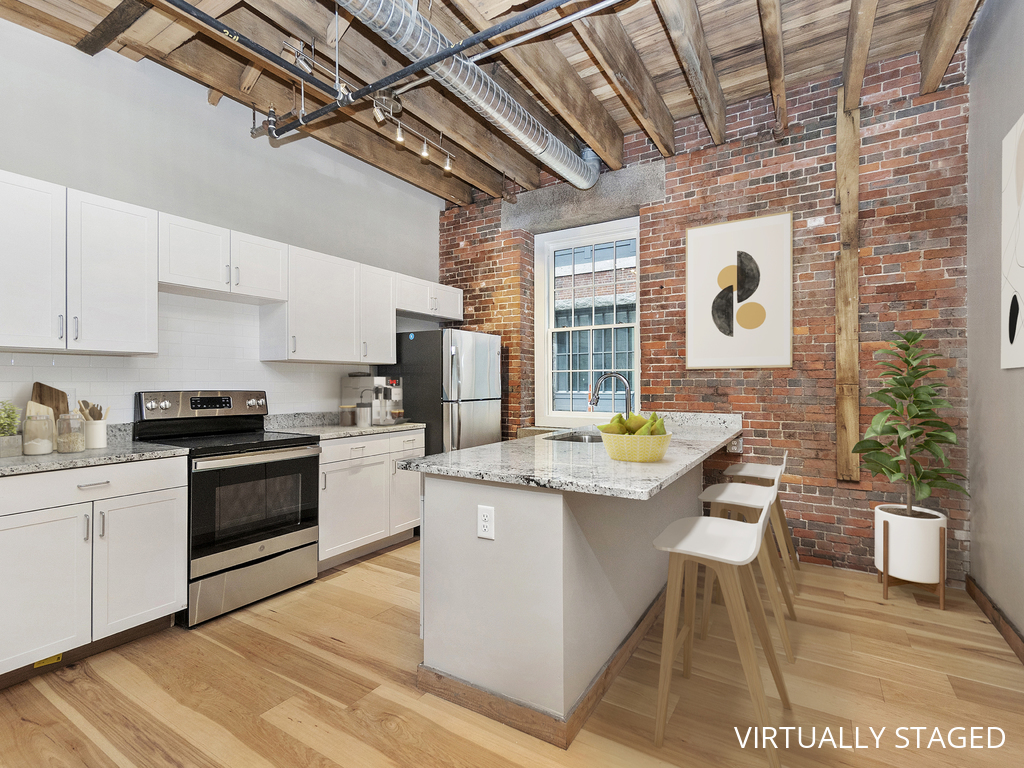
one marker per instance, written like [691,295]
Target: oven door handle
[255,457]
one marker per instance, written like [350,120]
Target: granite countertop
[333,431]
[586,467]
[118,453]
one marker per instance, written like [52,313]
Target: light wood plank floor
[324,676]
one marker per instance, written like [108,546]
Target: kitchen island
[530,627]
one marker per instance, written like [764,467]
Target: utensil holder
[95,434]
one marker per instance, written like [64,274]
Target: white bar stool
[746,501]
[727,547]
[767,474]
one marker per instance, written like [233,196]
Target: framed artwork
[739,294]
[1012,278]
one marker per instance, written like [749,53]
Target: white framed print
[1011,326]
[739,294]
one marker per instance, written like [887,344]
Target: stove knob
[251,403]
[164,405]
[151,405]
[261,402]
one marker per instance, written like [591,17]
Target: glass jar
[348,416]
[70,433]
[38,436]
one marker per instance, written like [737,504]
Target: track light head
[448,164]
[303,63]
[378,114]
[399,134]
[425,152]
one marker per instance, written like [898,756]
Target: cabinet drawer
[345,448]
[40,490]
[406,441]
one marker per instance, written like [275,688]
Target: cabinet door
[405,493]
[194,254]
[447,302]
[32,262]
[259,267]
[323,307]
[140,559]
[45,595]
[376,315]
[412,295]
[353,503]
[112,275]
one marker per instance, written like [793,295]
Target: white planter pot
[913,543]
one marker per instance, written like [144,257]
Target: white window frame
[544,266]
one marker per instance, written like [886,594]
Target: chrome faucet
[597,390]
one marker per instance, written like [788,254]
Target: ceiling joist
[947,26]
[682,20]
[858,42]
[117,21]
[770,12]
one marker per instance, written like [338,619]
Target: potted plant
[905,444]
[10,440]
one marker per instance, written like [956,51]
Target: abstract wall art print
[1011,327]
[739,294]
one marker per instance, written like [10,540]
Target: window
[587,320]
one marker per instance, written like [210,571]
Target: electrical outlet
[485,522]
[735,446]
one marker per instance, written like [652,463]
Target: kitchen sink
[576,437]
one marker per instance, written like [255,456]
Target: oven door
[248,506]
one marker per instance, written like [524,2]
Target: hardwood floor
[325,675]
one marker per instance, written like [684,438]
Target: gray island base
[530,628]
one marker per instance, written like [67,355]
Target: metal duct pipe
[416,38]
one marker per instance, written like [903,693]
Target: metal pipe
[415,37]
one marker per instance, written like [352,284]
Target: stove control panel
[191,404]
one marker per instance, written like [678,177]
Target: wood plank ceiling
[637,66]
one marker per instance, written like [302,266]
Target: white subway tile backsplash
[204,344]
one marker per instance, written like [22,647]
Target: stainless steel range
[253,496]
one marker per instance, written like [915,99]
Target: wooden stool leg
[734,604]
[764,562]
[709,594]
[776,560]
[785,540]
[673,594]
[790,545]
[689,612]
[761,625]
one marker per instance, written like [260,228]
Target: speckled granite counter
[586,467]
[331,432]
[113,454]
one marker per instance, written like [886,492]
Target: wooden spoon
[83,409]
[95,413]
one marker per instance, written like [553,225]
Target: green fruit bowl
[636,448]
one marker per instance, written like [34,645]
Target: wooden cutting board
[50,397]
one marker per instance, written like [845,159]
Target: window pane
[560,351]
[602,359]
[563,262]
[604,257]
[584,312]
[563,317]
[625,306]
[624,349]
[583,259]
[625,253]
[581,350]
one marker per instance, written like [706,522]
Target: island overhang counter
[531,627]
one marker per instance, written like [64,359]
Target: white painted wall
[996,396]
[143,134]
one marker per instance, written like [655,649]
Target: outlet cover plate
[485,522]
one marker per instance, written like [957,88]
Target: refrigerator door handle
[460,428]
[451,427]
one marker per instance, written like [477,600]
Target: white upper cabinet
[259,267]
[194,254]
[376,315]
[320,322]
[422,297]
[111,274]
[33,217]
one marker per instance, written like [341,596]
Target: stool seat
[738,494]
[753,471]
[712,538]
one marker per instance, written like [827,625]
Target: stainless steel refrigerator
[451,382]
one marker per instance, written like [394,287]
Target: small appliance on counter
[383,395]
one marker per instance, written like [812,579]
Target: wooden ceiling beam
[368,60]
[770,12]
[947,26]
[207,62]
[40,21]
[164,30]
[606,38]
[114,23]
[554,78]
[858,43]
[682,19]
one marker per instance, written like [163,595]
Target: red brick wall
[913,254]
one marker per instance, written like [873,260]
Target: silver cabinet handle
[256,457]
[60,333]
[238,275]
[228,281]
[103,524]
[86,528]
[409,440]
[324,486]
[360,448]
[365,353]
[294,344]
[76,328]
[85,486]
[394,466]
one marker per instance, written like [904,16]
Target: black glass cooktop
[237,442]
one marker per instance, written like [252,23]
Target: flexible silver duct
[415,37]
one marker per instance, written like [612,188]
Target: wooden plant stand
[886,579]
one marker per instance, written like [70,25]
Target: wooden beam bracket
[113,25]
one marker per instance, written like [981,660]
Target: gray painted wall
[996,397]
[146,135]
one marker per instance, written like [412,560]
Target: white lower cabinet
[73,574]
[367,498]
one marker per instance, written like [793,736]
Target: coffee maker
[383,393]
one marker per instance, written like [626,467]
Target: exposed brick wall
[913,200]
